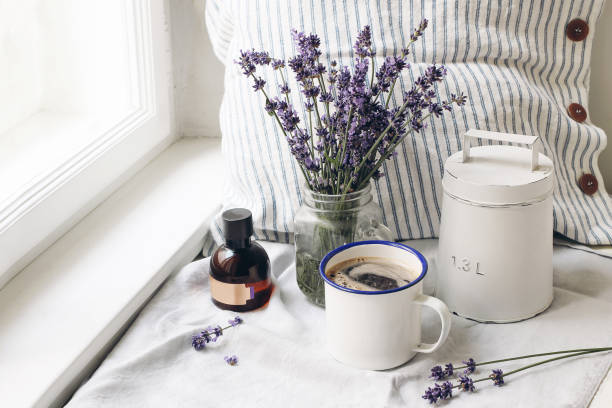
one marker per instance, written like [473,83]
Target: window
[84,103]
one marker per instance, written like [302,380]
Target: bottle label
[235,293]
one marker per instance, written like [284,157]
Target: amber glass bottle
[239,269]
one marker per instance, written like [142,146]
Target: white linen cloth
[283,361]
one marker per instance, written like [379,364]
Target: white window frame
[46,208]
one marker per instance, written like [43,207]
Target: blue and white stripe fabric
[510,57]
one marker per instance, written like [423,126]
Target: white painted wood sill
[62,312]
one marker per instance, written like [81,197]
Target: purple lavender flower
[215,332]
[312,165]
[322,133]
[438,392]
[278,64]
[466,383]
[460,99]
[258,84]
[437,373]
[311,91]
[363,45]
[296,64]
[305,65]
[319,69]
[419,30]
[432,394]
[246,63]
[260,58]
[270,107]
[446,390]
[498,377]
[319,145]
[231,360]
[249,59]
[235,321]
[306,43]
[416,124]
[209,334]
[436,108]
[326,97]
[288,116]
[206,336]
[471,366]
[198,342]
[284,89]
[333,74]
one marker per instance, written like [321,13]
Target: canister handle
[530,141]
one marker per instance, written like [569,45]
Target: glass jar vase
[325,222]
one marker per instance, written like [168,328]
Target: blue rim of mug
[336,251]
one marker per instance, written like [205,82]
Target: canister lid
[498,174]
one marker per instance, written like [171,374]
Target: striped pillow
[523,65]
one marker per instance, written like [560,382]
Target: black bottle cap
[237,224]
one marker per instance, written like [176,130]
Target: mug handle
[439,306]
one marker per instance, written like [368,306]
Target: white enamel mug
[377,330]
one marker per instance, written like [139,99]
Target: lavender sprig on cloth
[212,334]
[466,383]
[348,127]
[470,366]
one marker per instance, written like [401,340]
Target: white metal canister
[495,249]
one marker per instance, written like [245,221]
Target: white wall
[20,87]
[198,74]
[85,62]
[199,85]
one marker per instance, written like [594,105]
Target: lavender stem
[542,362]
[591,350]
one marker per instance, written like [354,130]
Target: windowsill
[62,311]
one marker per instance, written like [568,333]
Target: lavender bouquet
[350,126]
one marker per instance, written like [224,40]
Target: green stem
[323,89]
[316,105]
[386,156]
[327,160]
[331,131]
[372,79]
[284,82]
[340,157]
[547,361]
[311,134]
[348,123]
[390,94]
[539,355]
[542,362]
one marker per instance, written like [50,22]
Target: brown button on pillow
[520,63]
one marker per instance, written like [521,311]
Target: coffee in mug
[371,274]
